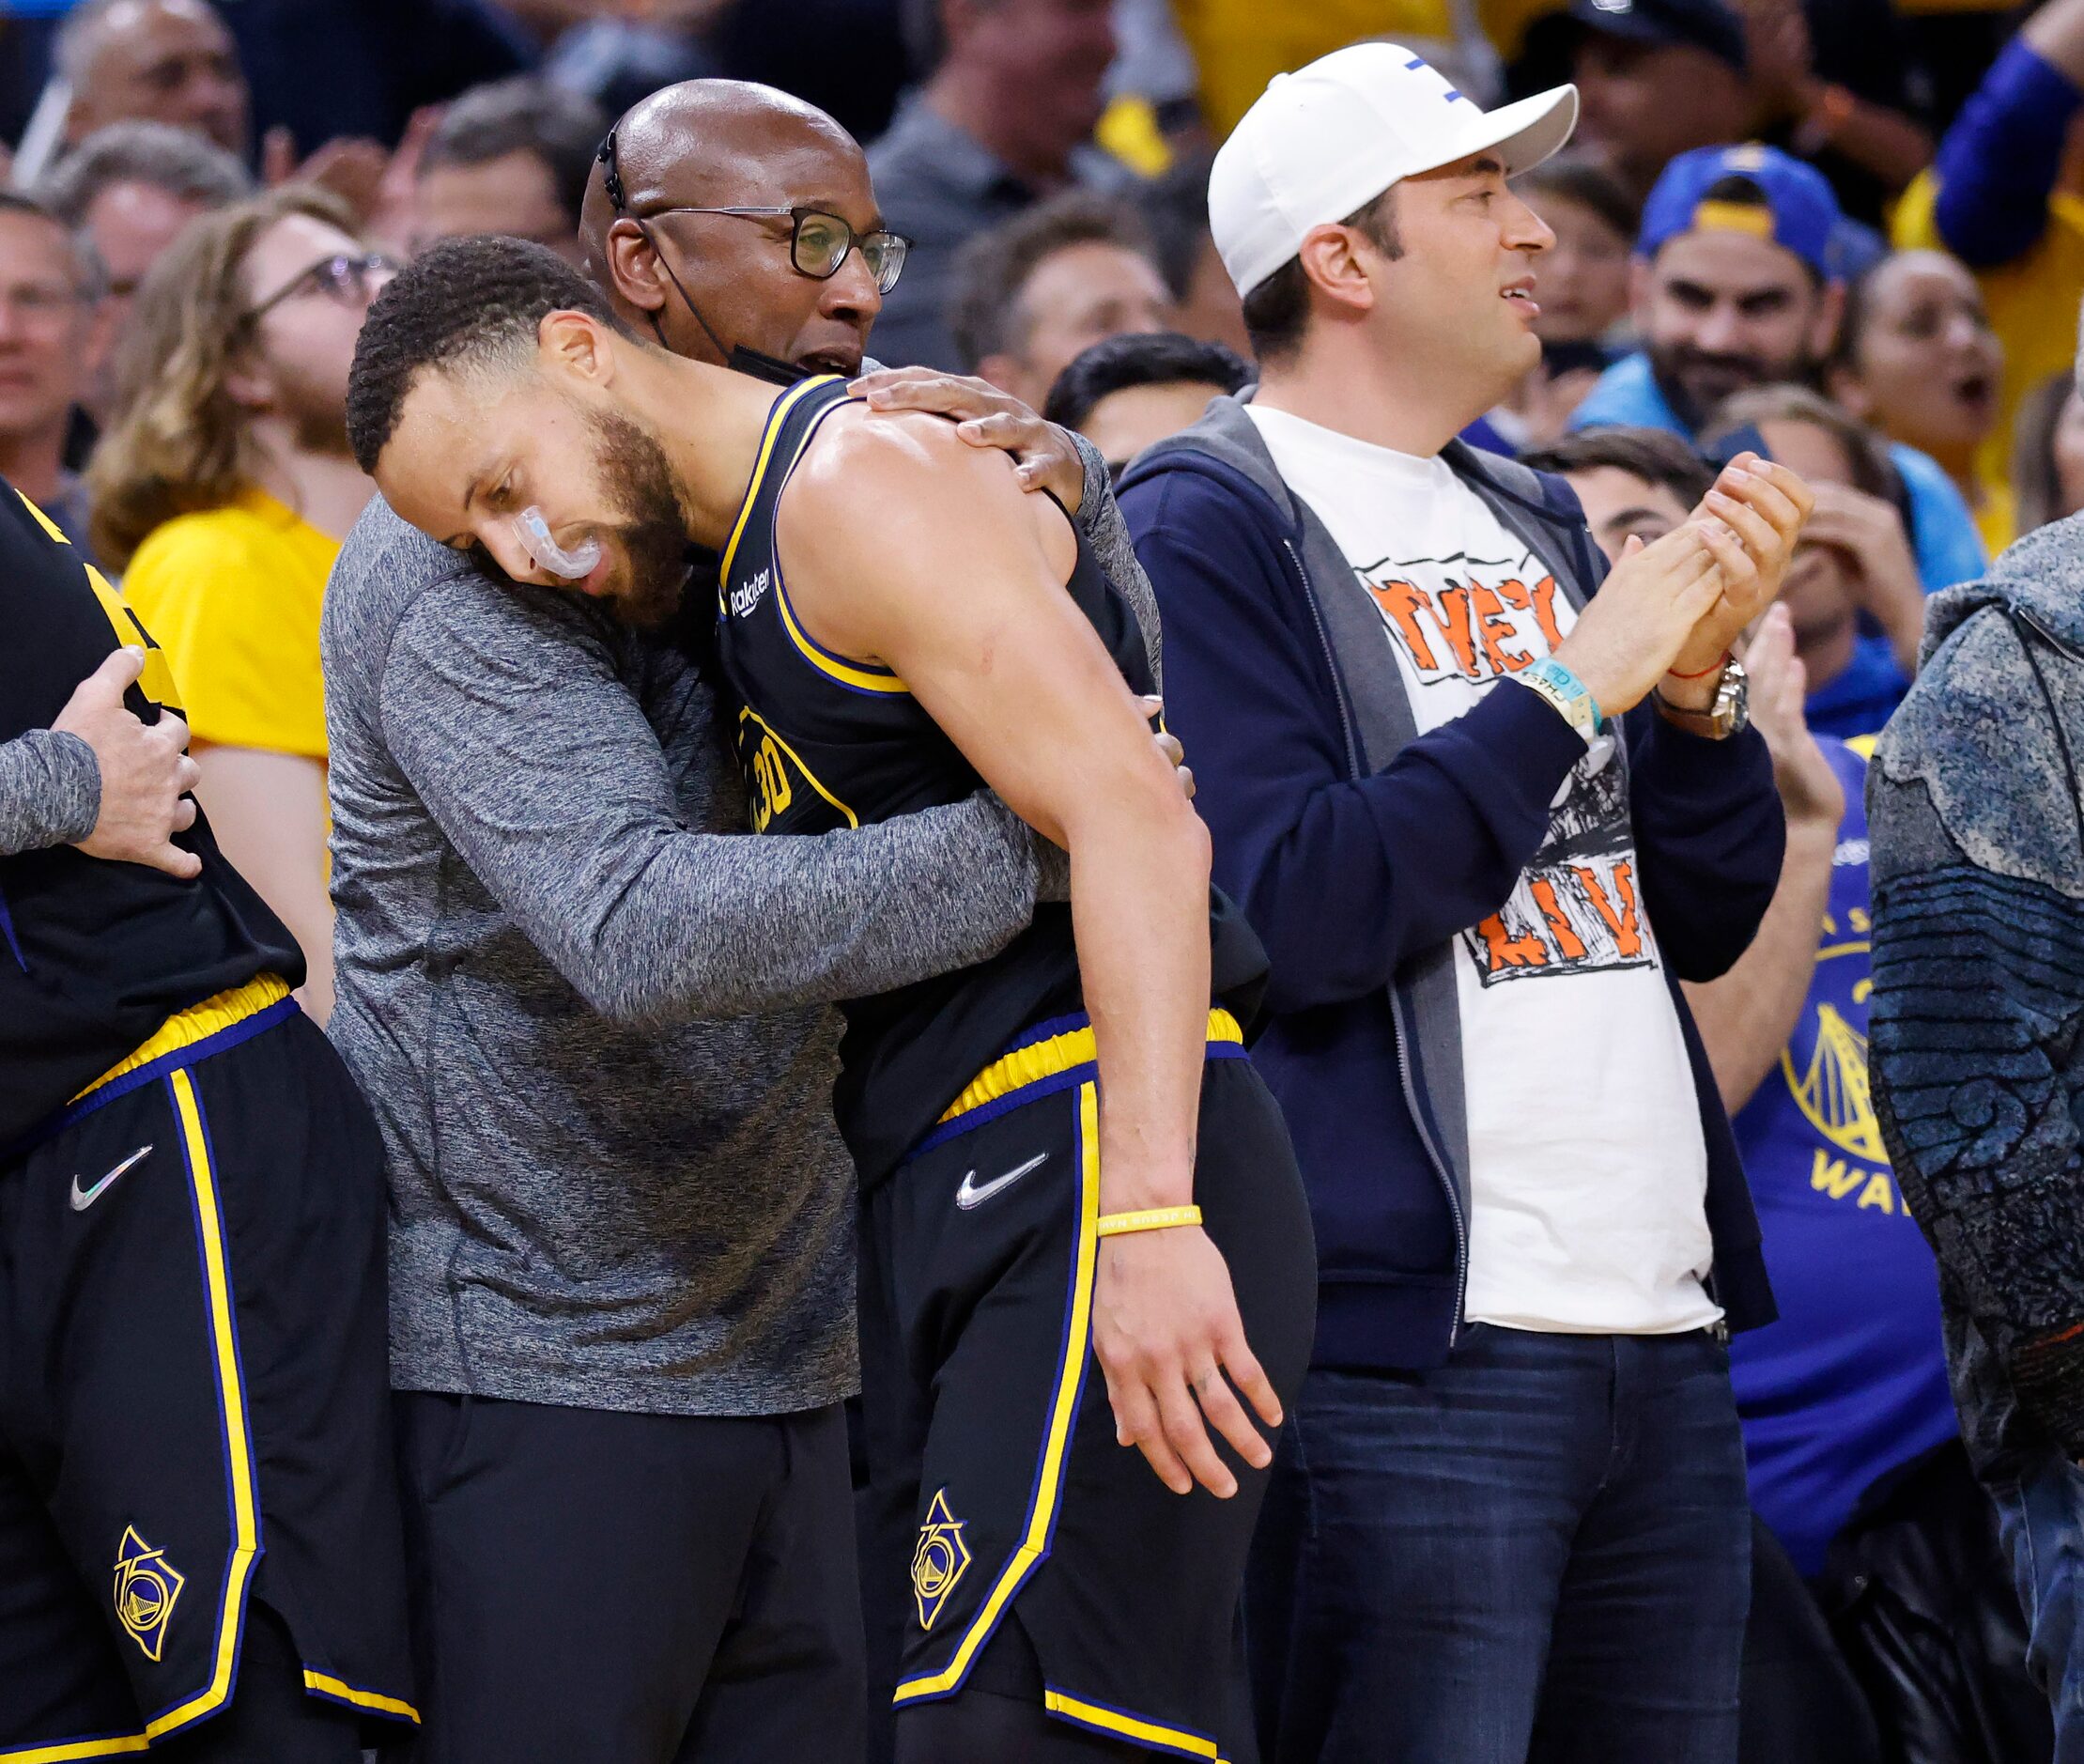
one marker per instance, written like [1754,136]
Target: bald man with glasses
[593,1028]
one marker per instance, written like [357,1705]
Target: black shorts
[195,1407]
[997,1490]
[599,1586]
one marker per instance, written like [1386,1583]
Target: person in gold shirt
[221,492]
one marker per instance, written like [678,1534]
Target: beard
[651,525]
[314,409]
[1694,381]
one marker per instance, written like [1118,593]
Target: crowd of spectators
[1846,235]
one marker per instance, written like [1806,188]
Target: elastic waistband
[186,1037]
[1052,1054]
[188,1030]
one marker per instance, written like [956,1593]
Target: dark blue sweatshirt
[1359,849]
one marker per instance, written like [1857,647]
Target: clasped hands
[1670,611]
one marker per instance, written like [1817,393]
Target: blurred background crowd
[1847,233]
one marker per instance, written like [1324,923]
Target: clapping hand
[1748,522]
[1809,789]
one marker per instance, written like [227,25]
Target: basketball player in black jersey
[200,1546]
[1056,1599]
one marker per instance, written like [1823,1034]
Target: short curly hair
[464,303]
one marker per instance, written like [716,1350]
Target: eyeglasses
[819,242]
[350,279]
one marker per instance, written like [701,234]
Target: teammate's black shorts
[999,1496]
[194,1406]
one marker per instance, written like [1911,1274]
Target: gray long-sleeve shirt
[597,1199]
[50,791]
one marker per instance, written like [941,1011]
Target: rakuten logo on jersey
[748,594]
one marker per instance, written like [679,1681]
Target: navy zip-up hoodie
[1359,849]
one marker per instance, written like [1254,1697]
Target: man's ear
[632,271]
[575,345]
[97,340]
[1638,290]
[1332,266]
[1831,314]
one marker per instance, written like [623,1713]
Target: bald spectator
[52,338]
[512,157]
[169,61]
[130,189]
[1031,294]
[1005,120]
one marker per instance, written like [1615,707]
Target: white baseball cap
[1331,137]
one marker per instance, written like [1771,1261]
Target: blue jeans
[1541,1551]
[2041,1516]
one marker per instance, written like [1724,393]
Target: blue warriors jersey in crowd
[826,742]
[1851,1382]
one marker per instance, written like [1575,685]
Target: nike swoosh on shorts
[81,1201]
[972,1193]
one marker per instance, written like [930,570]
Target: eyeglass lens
[823,241]
[350,278]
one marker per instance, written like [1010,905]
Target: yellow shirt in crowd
[232,595]
[2033,304]
[1239,45]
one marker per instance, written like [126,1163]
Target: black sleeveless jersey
[827,742]
[94,955]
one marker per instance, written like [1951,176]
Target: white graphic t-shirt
[1587,1167]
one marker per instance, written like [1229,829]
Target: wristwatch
[1730,714]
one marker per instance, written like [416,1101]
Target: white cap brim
[1524,133]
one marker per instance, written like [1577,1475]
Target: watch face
[1733,700]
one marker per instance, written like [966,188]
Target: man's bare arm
[268,813]
[904,546]
[1746,1015]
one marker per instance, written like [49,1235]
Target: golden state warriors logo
[940,1560]
[1825,1067]
[146,1586]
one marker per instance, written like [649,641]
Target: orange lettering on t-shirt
[1626,923]
[1505,951]
[1495,631]
[1401,601]
[1454,626]
[1568,941]
[1544,596]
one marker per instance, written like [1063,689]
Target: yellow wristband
[1156,1219]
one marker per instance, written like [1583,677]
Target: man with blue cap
[1739,283]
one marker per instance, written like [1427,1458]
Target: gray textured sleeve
[50,791]
[1100,520]
[537,763]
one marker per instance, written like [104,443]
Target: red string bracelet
[1673,673]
